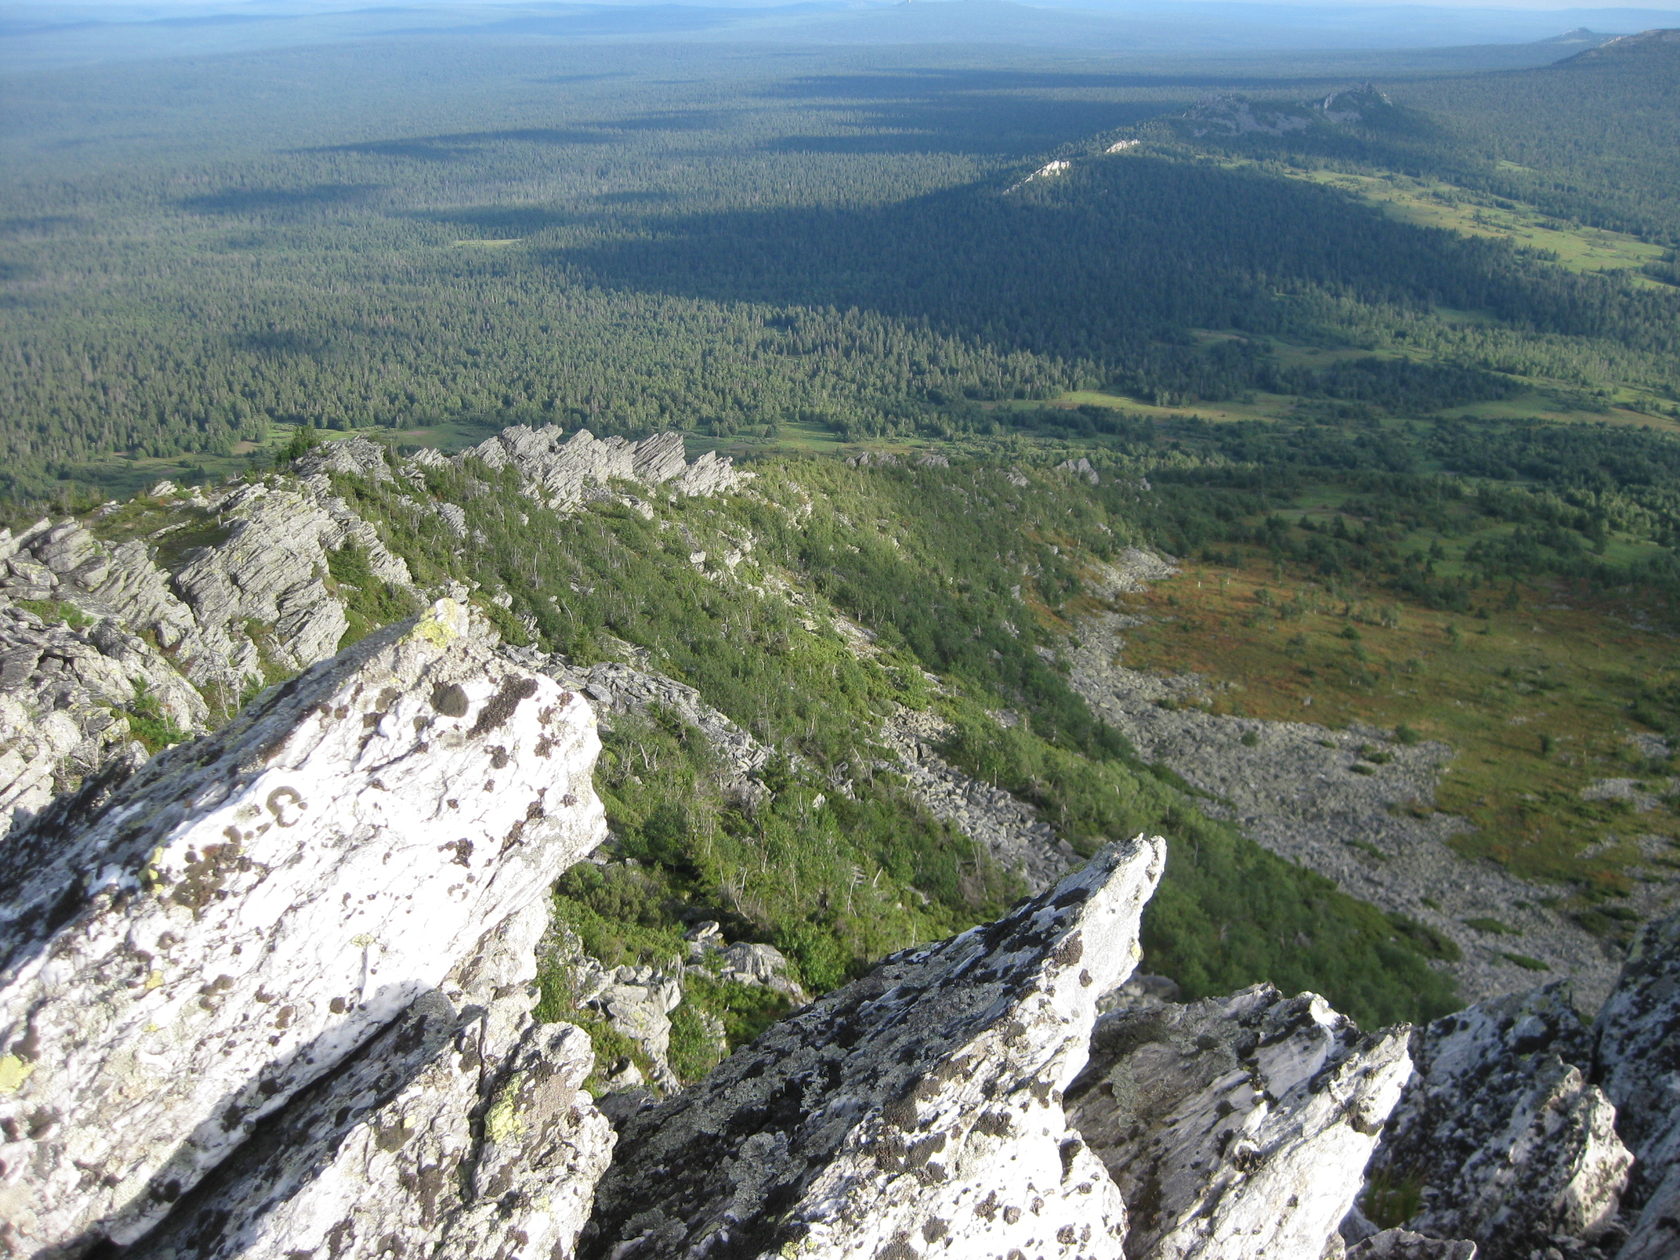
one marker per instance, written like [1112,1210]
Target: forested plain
[1414,372]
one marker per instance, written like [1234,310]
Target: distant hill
[1663,42]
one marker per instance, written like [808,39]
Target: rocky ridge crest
[178,605]
[295,957]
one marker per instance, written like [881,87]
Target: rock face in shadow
[1236,1127]
[248,910]
[1638,1051]
[1502,1135]
[916,1112]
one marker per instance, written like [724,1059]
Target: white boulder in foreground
[249,909]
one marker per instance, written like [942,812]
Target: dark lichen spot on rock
[934,1229]
[1072,897]
[286,803]
[994,1124]
[898,1249]
[450,700]
[501,706]
[338,1006]
[499,758]
[900,1113]
[1069,951]
[205,874]
[1069,1151]
[919,1152]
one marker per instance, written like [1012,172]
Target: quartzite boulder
[1507,1140]
[914,1113]
[1236,1127]
[249,909]
[460,1131]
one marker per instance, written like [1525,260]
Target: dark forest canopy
[436,236]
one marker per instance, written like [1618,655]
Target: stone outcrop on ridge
[245,911]
[565,470]
[915,1112]
[223,589]
[1637,1041]
[1505,1138]
[1236,1127]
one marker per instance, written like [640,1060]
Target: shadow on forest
[966,125]
[932,82]
[1092,264]
[280,202]
[461,145]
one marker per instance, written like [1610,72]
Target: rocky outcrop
[262,589]
[191,600]
[915,1112]
[614,688]
[1501,1135]
[460,1130]
[565,471]
[247,911]
[1005,826]
[1637,1036]
[67,694]
[1236,1127]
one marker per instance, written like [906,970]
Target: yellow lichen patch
[503,1120]
[154,980]
[13,1073]
[151,875]
[440,625]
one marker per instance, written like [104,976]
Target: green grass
[1537,701]
[1435,203]
[56,610]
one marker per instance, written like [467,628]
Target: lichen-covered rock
[1403,1244]
[1236,1127]
[459,1130]
[916,1112]
[248,909]
[65,695]
[1503,1134]
[264,582]
[1638,1041]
